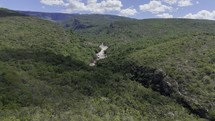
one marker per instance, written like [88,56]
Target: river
[100,55]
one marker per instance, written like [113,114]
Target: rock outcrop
[159,81]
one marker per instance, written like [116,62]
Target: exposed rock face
[159,81]
[153,78]
[77,25]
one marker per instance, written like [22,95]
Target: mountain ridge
[60,16]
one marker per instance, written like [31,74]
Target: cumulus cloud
[154,7]
[94,6]
[90,6]
[180,3]
[165,15]
[128,12]
[110,5]
[170,1]
[183,3]
[75,5]
[157,7]
[52,2]
[203,14]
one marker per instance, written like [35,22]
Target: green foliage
[7,13]
[44,71]
[183,48]
[212,114]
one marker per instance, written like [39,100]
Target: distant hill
[90,21]
[6,12]
[48,16]
[94,18]
[78,22]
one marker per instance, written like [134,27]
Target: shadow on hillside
[39,56]
[85,79]
[6,13]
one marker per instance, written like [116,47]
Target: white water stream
[100,55]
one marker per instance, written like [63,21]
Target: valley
[143,70]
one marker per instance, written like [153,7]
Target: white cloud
[92,1]
[101,6]
[110,5]
[170,1]
[154,7]
[184,3]
[203,14]
[75,5]
[52,2]
[181,3]
[90,6]
[128,12]
[165,15]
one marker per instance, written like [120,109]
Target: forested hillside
[158,69]
[181,50]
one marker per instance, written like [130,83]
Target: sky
[140,9]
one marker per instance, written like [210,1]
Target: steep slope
[180,51]
[76,21]
[44,75]
[94,28]
[91,21]
[5,12]
[48,16]
[87,26]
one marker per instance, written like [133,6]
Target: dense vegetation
[44,71]
[5,12]
[182,49]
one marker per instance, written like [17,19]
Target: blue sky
[141,9]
